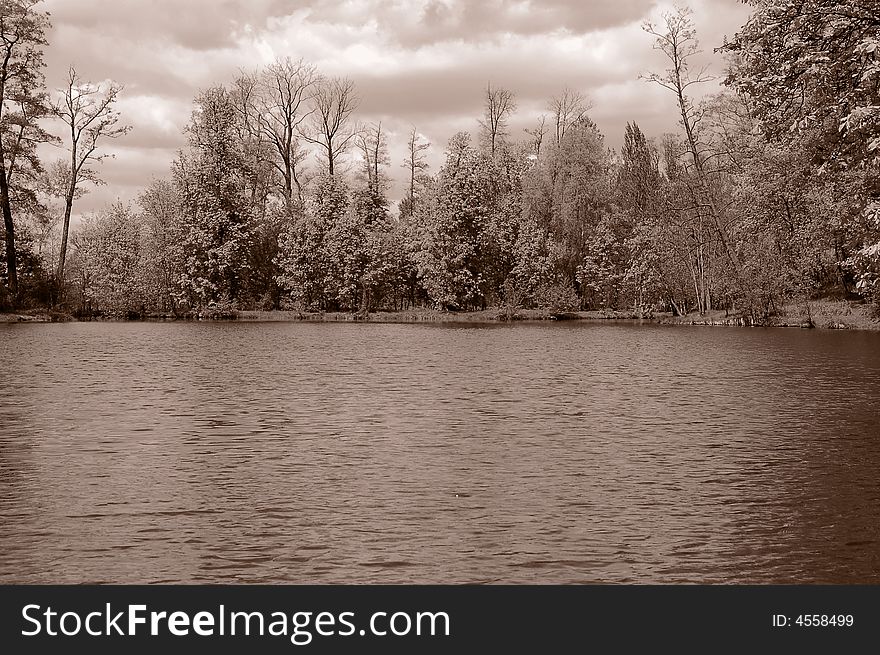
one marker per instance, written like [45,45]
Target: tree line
[767,195]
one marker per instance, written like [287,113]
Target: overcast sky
[422,63]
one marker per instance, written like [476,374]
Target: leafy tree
[567,193]
[211,181]
[639,192]
[811,70]
[109,262]
[453,229]
[163,235]
[23,103]
[307,272]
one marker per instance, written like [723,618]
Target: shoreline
[827,315]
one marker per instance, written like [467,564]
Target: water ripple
[427,453]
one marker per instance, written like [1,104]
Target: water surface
[313,453]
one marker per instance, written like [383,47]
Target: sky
[416,63]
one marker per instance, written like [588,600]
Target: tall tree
[568,108]
[23,103]
[677,40]
[371,203]
[334,102]
[90,117]
[211,179]
[163,236]
[454,223]
[286,88]
[498,106]
[416,165]
[811,70]
[638,189]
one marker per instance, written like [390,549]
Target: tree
[311,266]
[811,70]
[454,229]
[813,66]
[373,144]
[89,114]
[416,166]
[537,135]
[497,109]
[334,102]
[568,108]
[285,89]
[211,181]
[163,236]
[269,166]
[567,193]
[677,40]
[639,188]
[23,103]
[108,259]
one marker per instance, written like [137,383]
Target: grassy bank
[823,314]
[422,315]
[36,316]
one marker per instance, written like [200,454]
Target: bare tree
[256,148]
[568,108]
[286,88]
[496,114]
[22,104]
[334,102]
[415,163]
[537,134]
[88,112]
[677,40]
[373,145]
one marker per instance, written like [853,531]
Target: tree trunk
[6,206]
[706,191]
[330,155]
[62,256]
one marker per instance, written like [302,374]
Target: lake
[532,453]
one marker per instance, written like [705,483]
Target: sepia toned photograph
[440,292]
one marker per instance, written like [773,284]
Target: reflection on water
[304,453]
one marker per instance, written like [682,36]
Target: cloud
[425,22]
[200,25]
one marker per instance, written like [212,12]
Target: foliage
[811,70]
[109,266]
[23,103]
[211,182]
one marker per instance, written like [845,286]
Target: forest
[767,195]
